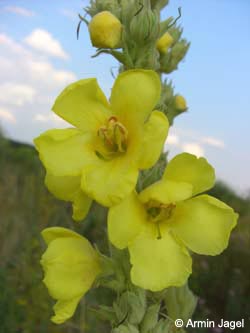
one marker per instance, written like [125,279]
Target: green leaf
[137,306]
[180,302]
[131,305]
[150,319]
[106,313]
[163,326]
[125,329]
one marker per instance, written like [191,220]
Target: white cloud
[213,142]
[9,45]
[193,148]
[51,118]
[43,71]
[179,136]
[29,67]
[19,11]
[7,115]
[29,84]
[16,94]
[41,40]
[173,140]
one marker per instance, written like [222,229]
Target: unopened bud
[105,30]
[144,27]
[179,49]
[164,43]
[180,103]
[170,61]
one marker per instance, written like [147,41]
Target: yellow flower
[71,266]
[164,43]
[100,159]
[105,30]
[180,103]
[166,219]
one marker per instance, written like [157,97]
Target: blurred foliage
[222,283]
[26,207]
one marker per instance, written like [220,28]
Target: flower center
[158,213]
[114,137]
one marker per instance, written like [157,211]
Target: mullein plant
[112,153]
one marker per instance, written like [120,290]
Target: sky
[40,55]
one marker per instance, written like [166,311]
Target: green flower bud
[159,3]
[172,105]
[98,6]
[179,49]
[164,26]
[176,33]
[105,30]
[171,60]
[144,27]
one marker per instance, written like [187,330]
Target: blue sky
[39,55]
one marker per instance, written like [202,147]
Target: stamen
[158,230]
[105,157]
[113,136]
[113,118]
[154,211]
[159,213]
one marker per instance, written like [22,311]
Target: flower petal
[158,263]
[190,169]
[125,221]
[63,188]
[135,94]
[69,189]
[71,266]
[83,105]
[155,133]
[81,206]
[108,182]
[52,233]
[64,151]
[204,224]
[65,310]
[166,191]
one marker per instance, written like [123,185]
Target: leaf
[180,302]
[125,329]
[163,326]
[131,305]
[106,313]
[137,306]
[150,319]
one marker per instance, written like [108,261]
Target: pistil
[159,213]
[114,138]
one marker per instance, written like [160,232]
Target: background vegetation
[222,283]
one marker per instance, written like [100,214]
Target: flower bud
[170,61]
[144,27]
[164,43]
[71,266]
[159,3]
[180,103]
[105,30]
